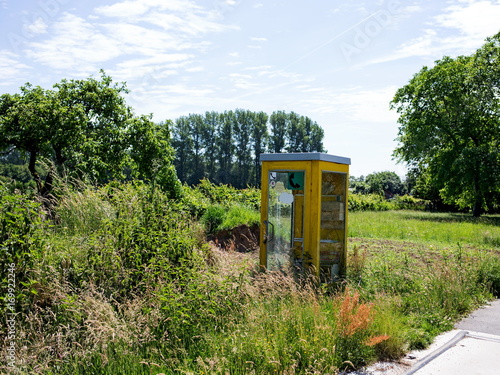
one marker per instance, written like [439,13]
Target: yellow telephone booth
[304,212]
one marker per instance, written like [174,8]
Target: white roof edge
[295,156]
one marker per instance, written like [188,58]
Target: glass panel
[284,241]
[332,246]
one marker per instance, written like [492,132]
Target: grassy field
[426,227]
[121,281]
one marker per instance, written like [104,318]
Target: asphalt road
[485,320]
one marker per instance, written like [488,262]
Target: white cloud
[133,8]
[37,27]
[259,68]
[195,69]
[255,39]
[181,17]
[183,90]
[356,104]
[152,32]
[475,20]
[188,23]
[76,44]
[123,10]
[136,39]
[10,68]
[243,82]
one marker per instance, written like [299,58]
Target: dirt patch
[242,238]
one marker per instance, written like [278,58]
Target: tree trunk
[477,209]
[34,173]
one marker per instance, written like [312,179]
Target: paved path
[475,348]
[472,348]
[486,320]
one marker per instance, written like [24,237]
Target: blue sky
[338,62]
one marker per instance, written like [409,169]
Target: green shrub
[193,201]
[407,202]
[128,236]
[368,202]
[377,202]
[219,217]
[213,218]
[21,245]
[227,195]
[239,215]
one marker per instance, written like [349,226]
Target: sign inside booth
[295,181]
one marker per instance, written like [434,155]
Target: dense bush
[21,243]
[368,202]
[377,202]
[132,234]
[407,202]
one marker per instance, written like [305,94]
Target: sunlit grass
[417,226]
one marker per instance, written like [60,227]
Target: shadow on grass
[441,217]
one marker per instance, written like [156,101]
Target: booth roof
[296,156]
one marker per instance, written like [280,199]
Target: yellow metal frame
[312,204]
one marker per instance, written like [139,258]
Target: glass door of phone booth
[284,223]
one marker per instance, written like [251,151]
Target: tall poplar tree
[242,131]
[210,144]
[183,147]
[260,137]
[278,121]
[226,146]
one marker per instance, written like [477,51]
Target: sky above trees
[339,63]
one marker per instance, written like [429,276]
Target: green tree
[306,124]
[384,183]
[153,155]
[226,147]
[13,167]
[183,147]
[81,128]
[295,133]
[197,129]
[358,185]
[242,133]
[260,138]
[277,141]
[316,138]
[210,143]
[450,127]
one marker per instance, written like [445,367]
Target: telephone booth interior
[304,213]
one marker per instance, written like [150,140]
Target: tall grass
[122,282]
